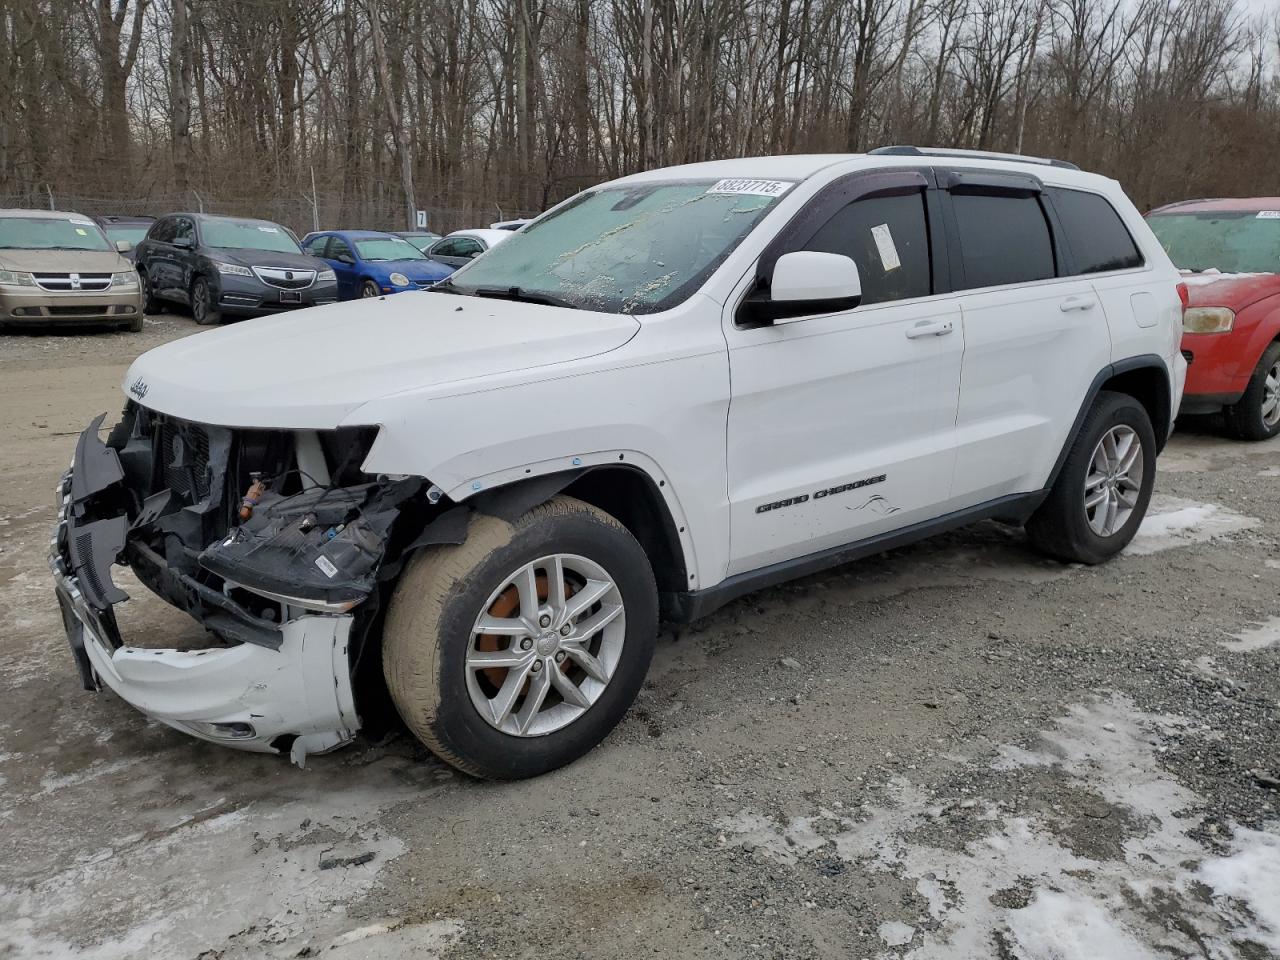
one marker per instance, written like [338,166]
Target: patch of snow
[1072,906]
[1249,877]
[895,933]
[1257,638]
[1171,522]
[421,941]
[1063,926]
[1214,275]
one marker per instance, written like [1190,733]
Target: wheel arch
[1147,379]
[626,491]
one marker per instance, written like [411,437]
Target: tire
[150,303]
[203,309]
[1250,418]
[1063,526]
[135,325]
[369,289]
[430,635]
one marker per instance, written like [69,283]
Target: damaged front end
[273,540]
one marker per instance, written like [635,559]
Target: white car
[462,246]
[669,391]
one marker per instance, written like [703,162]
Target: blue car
[371,264]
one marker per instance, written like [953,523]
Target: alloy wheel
[546,645]
[1271,397]
[1114,480]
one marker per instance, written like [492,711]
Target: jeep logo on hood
[138,388]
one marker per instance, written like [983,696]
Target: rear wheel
[369,289]
[517,651]
[1256,415]
[203,308]
[1102,492]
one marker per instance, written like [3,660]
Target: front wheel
[517,651]
[1256,415]
[203,309]
[150,304]
[1102,492]
[369,289]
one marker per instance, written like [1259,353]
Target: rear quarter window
[1096,236]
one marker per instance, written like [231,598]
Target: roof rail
[909,151]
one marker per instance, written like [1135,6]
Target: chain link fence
[302,214]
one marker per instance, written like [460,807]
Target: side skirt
[691,605]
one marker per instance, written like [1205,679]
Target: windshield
[247,235]
[388,248]
[626,249]
[131,232]
[48,233]
[423,240]
[1232,241]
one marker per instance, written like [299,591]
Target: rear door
[1035,336]
[842,425]
[182,260]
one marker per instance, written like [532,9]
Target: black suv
[229,266]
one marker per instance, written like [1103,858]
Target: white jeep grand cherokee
[477,502]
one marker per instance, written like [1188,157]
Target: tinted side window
[888,239]
[1003,238]
[315,246]
[185,228]
[338,250]
[1097,237]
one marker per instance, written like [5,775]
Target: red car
[1229,253]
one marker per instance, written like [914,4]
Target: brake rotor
[505,606]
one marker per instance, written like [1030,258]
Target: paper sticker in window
[758,188]
[1269,214]
[886,248]
[269,229]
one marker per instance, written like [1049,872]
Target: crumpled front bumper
[251,697]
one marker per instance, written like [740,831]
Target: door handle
[1077,303]
[930,328]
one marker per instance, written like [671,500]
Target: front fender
[1262,320]
[664,418]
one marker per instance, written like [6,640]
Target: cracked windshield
[630,249]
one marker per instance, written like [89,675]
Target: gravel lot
[955,750]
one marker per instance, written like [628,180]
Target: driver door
[343,259]
[842,426]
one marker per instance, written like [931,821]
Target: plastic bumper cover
[244,696]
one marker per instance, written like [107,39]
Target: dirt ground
[956,750]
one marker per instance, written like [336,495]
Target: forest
[358,112]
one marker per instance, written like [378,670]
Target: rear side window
[1097,237]
[1004,238]
[888,239]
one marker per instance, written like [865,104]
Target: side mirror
[346,258]
[806,282]
[182,243]
[123,246]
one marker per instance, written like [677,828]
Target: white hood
[310,369]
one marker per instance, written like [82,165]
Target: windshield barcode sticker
[1269,214]
[885,246]
[326,566]
[758,188]
[269,229]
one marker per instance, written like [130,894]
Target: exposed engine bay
[232,525]
[275,541]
